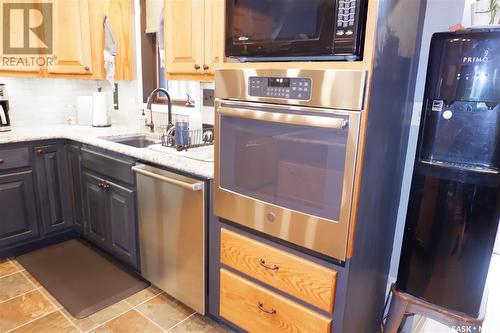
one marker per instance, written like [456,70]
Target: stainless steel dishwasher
[172,233]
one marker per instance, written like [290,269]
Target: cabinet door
[18,210]
[71,38]
[122,219]
[75,175]
[214,35]
[53,190]
[184,36]
[96,204]
[17,62]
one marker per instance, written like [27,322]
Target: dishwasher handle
[191,187]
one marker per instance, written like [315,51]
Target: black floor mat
[80,277]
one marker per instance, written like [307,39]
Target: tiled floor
[25,306]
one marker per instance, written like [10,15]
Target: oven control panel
[280,87]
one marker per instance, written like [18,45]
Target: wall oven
[295,29]
[285,153]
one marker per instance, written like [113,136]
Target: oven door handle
[283,118]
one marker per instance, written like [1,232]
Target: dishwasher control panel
[280,87]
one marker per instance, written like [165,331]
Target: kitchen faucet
[151,124]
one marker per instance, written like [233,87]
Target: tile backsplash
[43,101]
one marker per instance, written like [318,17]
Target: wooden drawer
[301,278]
[256,309]
[14,158]
[109,165]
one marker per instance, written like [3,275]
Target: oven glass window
[296,167]
[276,20]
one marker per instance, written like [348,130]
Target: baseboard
[36,244]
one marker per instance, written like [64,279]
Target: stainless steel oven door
[287,171]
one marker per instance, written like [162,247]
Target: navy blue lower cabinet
[122,223]
[53,188]
[95,210]
[18,221]
[74,160]
[111,217]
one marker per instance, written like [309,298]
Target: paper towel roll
[101,113]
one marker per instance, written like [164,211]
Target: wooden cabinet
[214,27]
[77,40]
[278,290]
[184,33]
[53,189]
[257,309]
[293,275]
[72,46]
[18,213]
[194,38]
[14,28]
[111,217]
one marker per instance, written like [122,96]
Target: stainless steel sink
[137,140]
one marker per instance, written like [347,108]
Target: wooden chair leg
[396,315]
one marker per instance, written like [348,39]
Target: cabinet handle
[261,308]
[1,161]
[106,187]
[206,67]
[39,151]
[262,262]
[87,68]
[197,67]
[101,185]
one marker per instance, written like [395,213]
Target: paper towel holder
[101,111]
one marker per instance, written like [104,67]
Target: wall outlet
[115,97]
[208,97]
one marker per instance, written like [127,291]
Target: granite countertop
[92,136]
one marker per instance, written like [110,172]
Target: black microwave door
[279,28]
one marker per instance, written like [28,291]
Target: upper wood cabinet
[71,39]
[214,27]
[77,38]
[194,38]
[184,34]
[14,62]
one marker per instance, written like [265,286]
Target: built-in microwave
[294,30]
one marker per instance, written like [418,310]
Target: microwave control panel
[280,87]
[348,26]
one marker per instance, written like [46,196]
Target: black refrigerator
[454,204]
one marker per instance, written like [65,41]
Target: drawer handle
[261,308]
[104,186]
[262,262]
[1,161]
[39,151]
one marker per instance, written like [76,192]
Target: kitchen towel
[110,52]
